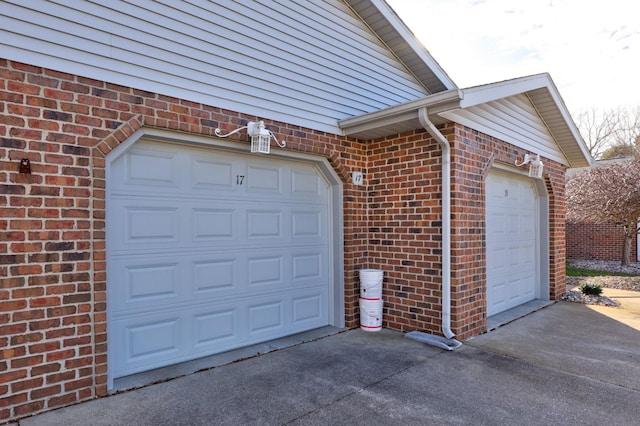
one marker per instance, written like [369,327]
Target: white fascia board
[410,38]
[398,113]
[561,109]
[503,89]
[490,92]
[566,116]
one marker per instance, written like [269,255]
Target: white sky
[591,48]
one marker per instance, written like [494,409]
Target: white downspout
[446,219]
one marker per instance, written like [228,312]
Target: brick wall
[588,241]
[52,239]
[404,187]
[52,223]
[405,226]
[473,154]
[555,179]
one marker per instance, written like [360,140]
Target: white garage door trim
[332,219]
[504,258]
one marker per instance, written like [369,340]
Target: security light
[260,136]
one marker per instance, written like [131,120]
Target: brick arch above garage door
[305,146]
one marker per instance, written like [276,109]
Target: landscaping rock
[617,282]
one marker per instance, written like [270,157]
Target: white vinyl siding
[514,120]
[309,63]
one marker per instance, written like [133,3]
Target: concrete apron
[565,364]
[595,341]
[629,311]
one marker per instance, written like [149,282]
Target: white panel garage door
[209,250]
[511,211]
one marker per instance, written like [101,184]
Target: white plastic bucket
[371,274]
[371,290]
[371,283]
[371,314]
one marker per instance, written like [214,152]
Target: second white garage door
[209,251]
[511,241]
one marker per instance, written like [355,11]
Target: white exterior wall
[304,62]
[513,119]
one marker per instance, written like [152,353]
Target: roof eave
[546,98]
[390,28]
[539,88]
[400,118]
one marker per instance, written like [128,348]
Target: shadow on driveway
[599,342]
[565,364]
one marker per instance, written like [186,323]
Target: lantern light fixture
[260,136]
[535,165]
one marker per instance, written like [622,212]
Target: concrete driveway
[565,364]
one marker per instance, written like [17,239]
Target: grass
[579,272]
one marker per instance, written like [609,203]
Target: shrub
[590,288]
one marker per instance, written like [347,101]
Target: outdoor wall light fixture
[535,165]
[260,136]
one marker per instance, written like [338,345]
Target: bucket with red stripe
[371,314]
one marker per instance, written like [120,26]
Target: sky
[591,48]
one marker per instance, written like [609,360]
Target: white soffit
[527,112]
[400,118]
[512,119]
[548,105]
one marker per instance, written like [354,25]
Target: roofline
[386,122]
[490,92]
[399,25]
[372,13]
[436,103]
[484,93]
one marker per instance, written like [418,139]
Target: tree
[619,151]
[608,194]
[604,129]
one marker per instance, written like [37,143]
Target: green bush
[590,288]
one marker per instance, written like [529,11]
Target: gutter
[393,115]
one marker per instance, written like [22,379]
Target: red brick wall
[587,241]
[473,154]
[52,239]
[406,219]
[404,186]
[555,179]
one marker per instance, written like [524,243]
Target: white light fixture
[260,136]
[535,165]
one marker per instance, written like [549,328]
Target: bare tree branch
[610,132]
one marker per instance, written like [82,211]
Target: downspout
[446,219]
[447,342]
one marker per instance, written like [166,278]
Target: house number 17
[239,179]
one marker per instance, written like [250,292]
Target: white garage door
[209,250]
[511,243]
